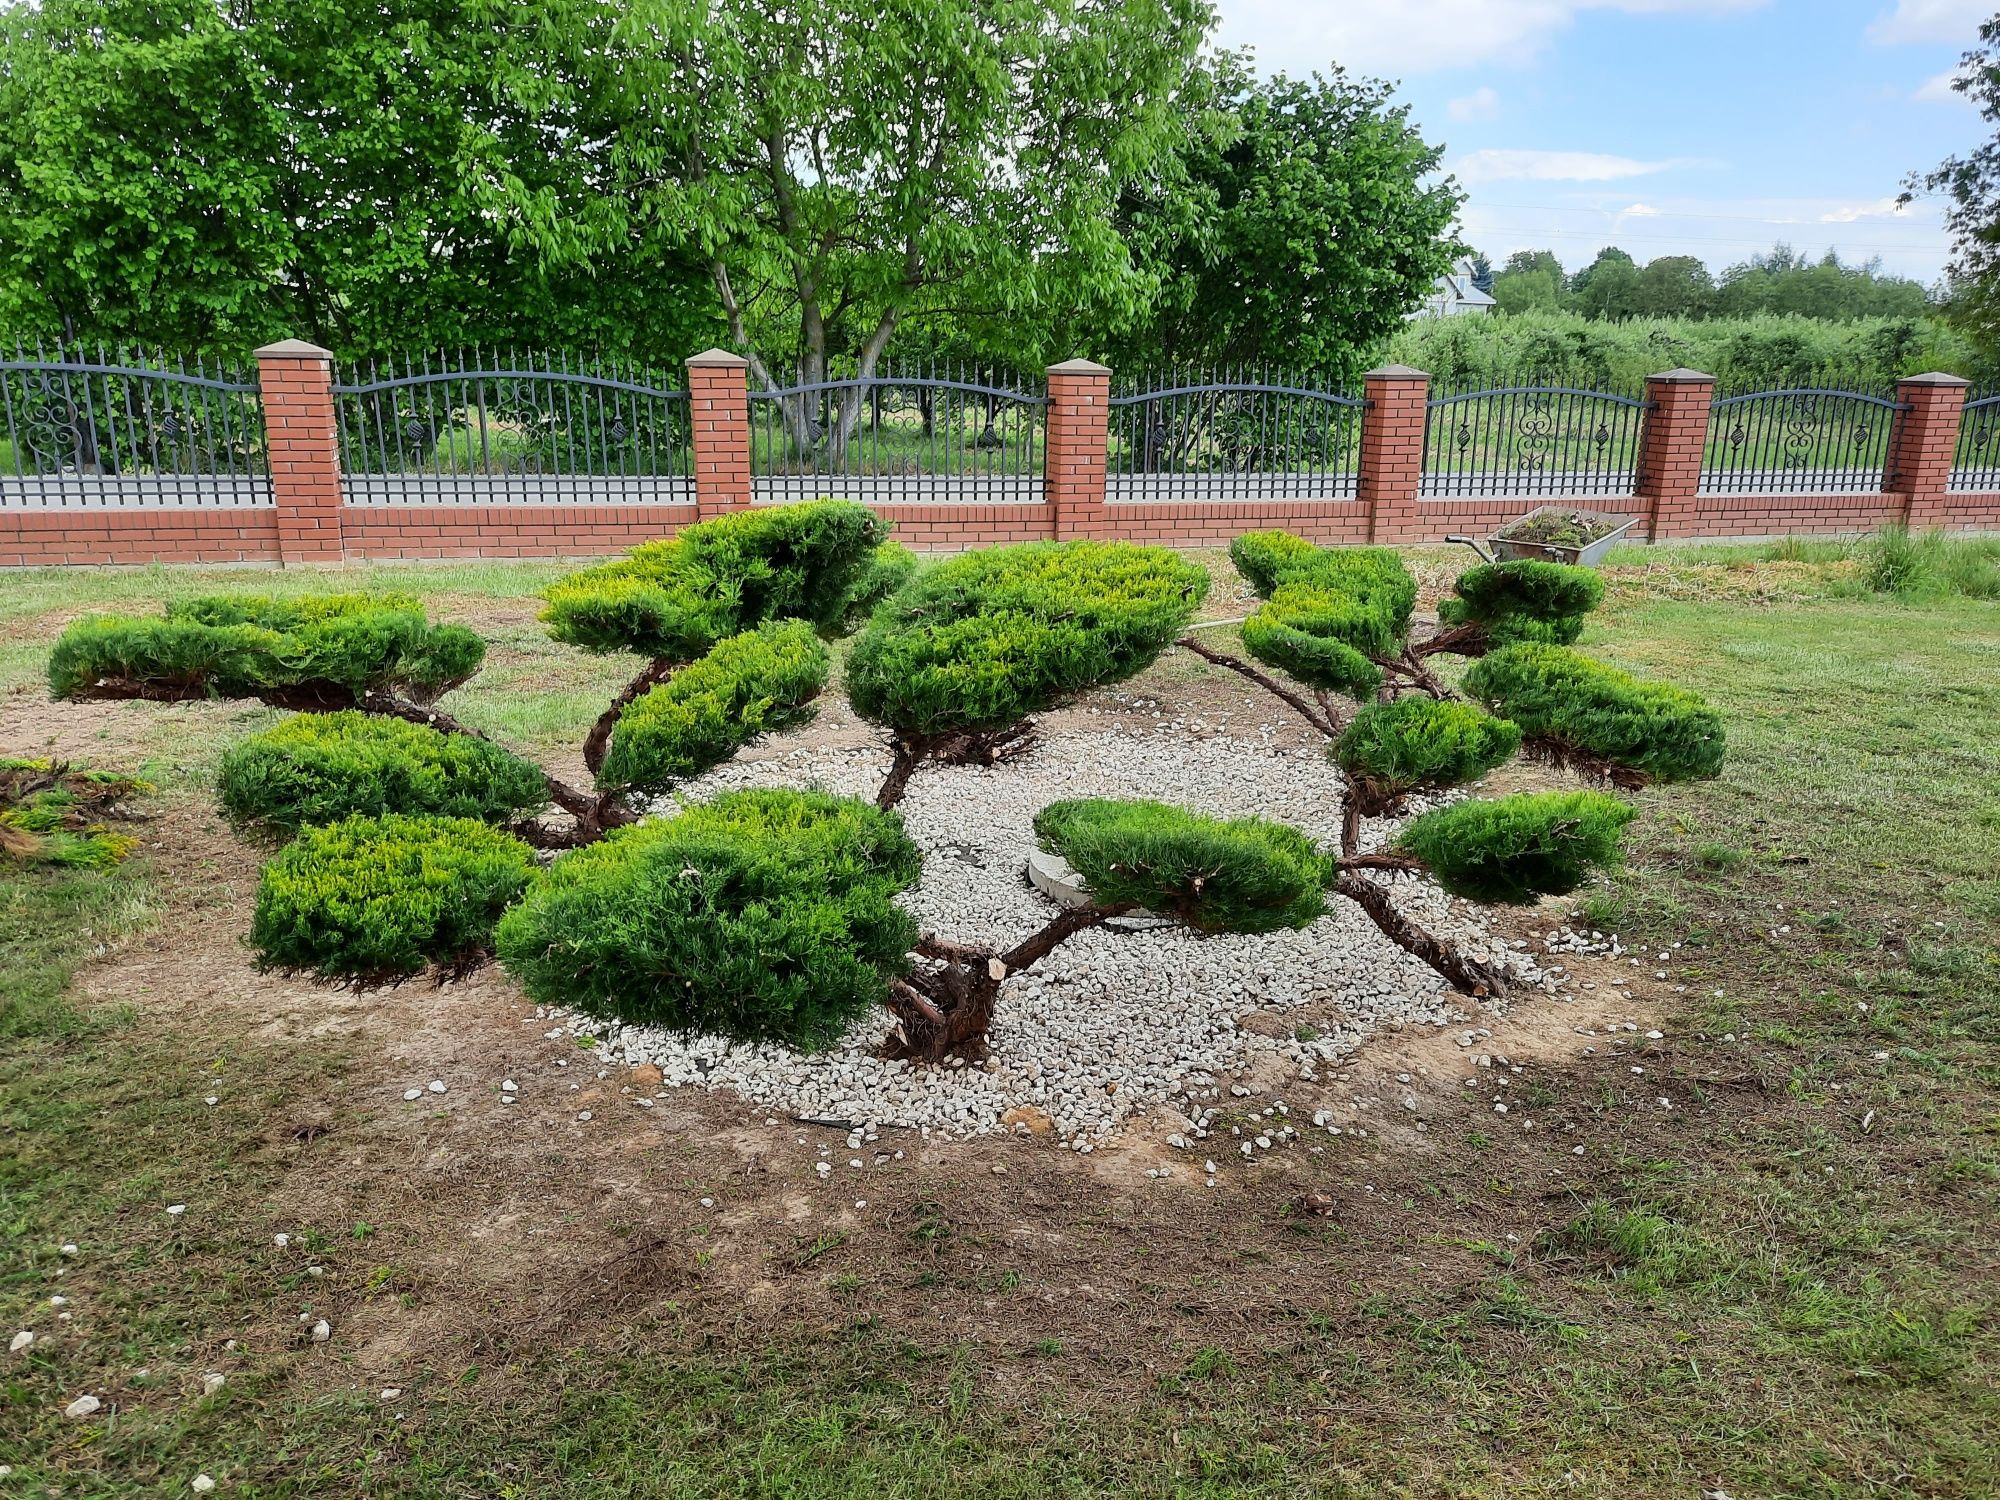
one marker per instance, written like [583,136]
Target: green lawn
[1784,1288]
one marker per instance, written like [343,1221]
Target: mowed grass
[1793,1295]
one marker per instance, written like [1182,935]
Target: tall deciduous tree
[207,176]
[1297,232]
[845,168]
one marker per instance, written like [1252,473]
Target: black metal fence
[512,429]
[120,430]
[1530,439]
[941,433]
[1233,435]
[1976,460]
[1813,438]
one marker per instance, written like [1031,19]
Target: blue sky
[1670,127]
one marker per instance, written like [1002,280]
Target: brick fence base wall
[388,532]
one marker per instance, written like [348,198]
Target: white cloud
[1552,166]
[1480,104]
[1939,90]
[1931,21]
[1853,213]
[1420,36]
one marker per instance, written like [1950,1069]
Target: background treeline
[1767,350]
[1615,286]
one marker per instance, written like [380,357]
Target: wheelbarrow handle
[1484,555]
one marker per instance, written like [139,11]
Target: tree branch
[597,744]
[1463,972]
[1325,725]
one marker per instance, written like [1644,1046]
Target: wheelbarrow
[1505,548]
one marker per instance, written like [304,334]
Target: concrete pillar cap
[293,349]
[1079,367]
[1397,372]
[1681,377]
[718,359]
[1935,377]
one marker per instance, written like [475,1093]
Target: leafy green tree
[1522,261]
[842,169]
[1674,286]
[1517,292]
[206,177]
[1970,186]
[1608,287]
[1296,234]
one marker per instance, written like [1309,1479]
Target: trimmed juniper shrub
[1565,698]
[1525,601]
[888,568]
[759,682]
[371,900]
[243,646]
[1393,748]
[990,637]
[1516,849]
[1326,610]
[1216,875]
[320,768]
[673,599]
[763,915]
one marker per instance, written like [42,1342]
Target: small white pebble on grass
[583,1115]
[201,1484]
[83,1406]
[212,1382]
[281,1240]
[508,1086]
[411,1096]
[71,1251]
[322,1331]
[391,1392]
[437,1085]
[177,1209]
[21,1341]
[211,1100]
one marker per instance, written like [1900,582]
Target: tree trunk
[947,1011]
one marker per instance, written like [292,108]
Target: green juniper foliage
[763,915]
[1525,601]
[1515,849]
[990,637]
[242,646]
[1326,612]
[379,899]
[759,682]
[1216,875]
[1398,747]
[320,768]
[1556,694]
[673,599]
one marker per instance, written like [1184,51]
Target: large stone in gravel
[1052,876]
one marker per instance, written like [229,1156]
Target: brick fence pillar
[1923,445]
[1671,443]
[719,400]
[1392,450]
[1073,449]
[300,447]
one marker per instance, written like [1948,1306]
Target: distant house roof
[1454,293]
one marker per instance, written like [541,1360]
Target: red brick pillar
[718,397]
[1923,444]
[1392,451]
[1671,443]
[1073,446]
[302,450]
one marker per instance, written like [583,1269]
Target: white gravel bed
[1112,1023]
